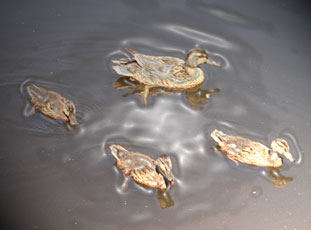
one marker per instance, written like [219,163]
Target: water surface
[58,178]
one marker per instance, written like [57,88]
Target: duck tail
[117,151]
[36,91]
[114,151]
[133,52]
[122,70]
[123,61]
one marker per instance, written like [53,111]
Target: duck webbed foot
[145,94]
[233,159]
[125,182]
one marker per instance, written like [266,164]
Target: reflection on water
[71,174]
[195,97]
[278,179]
[169,127]
[199,36]
[165,199]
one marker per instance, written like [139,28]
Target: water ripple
[199,36]
[294,140]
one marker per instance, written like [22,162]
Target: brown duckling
[239,149]
[52,104]
[164,71]
[143,169]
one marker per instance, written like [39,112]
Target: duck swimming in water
[52,104]
[143,169]
[164,71]
[240,149]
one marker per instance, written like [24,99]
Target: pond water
[54,177]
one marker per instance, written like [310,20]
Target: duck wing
[159,70]
[251,152]
[148,177]
[131,160]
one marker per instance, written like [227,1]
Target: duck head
[70,113]
[219,137]
[197,57]
[164,167]
[281,147]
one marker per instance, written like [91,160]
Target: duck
[52,104]
[243,150]
[164,71]
[143,169]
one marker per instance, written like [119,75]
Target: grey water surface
[54,177]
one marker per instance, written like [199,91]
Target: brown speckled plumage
[240,149]
[143,169]
[52,104]
[164,71]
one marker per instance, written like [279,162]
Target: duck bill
[73,120]
[168,182]
[289,156]
[212,62]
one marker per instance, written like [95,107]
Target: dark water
[55,178]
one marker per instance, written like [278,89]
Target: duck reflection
[196,97]
[277,179]
[165,199]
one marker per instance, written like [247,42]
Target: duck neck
[196,74]
[192,62]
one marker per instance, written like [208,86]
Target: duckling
[143,169]
[239,149]
[52,104]
[164,71]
